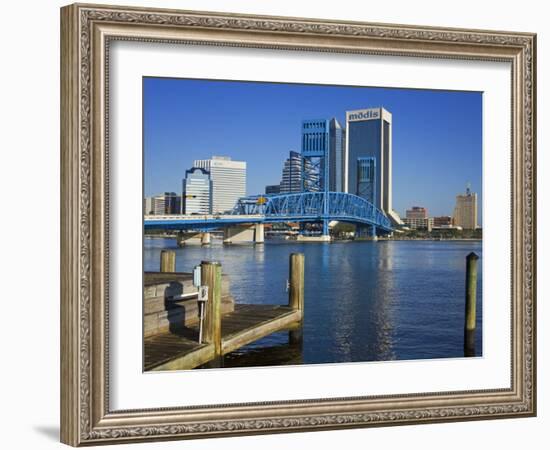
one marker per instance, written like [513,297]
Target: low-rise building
[443,222]
[416,212]
[163,204]
[419,223]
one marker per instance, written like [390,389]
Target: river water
[364,301]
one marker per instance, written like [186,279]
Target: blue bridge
[303,207]
[315,207]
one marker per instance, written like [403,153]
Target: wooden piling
[296,281]
[167,261]
[470,310]
[211,276]
[296,336]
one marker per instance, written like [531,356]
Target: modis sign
[365,114]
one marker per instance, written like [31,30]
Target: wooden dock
[178,348]
[246,324]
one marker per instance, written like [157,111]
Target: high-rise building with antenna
[465,212]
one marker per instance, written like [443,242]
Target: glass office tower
[337,150]
[315,150]
[291,180]
[197,191]
[323,151]
[369,146]
[366,178]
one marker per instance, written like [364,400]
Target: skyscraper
[197,189]
[315,155]
[465,212]
[337,156]
[291,180]
[228,181]
[366,176]
[369,144]
[323,151]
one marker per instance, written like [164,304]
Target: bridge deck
[180,350]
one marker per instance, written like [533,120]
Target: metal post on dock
[211,276]
[296,281]
[168,261]
[470,313]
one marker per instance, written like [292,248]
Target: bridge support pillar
[188,238]
[366,232]
[205,238]
[259,233]
[235,234]
[373,235]
[227,235]
[325,228]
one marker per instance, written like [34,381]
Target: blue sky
[437,135]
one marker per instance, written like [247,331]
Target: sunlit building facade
[168,203]
[465,212]
[196,192]
[228,181]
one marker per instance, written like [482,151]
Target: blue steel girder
[310,206]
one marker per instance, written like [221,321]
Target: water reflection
[364,301]
[269,354]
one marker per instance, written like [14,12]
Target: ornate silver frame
[86,31]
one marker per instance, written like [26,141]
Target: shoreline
[380,239]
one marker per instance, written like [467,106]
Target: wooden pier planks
[248,323]
[170,351]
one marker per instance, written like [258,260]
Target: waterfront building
[159,205]
[228,179]
[369,135]
[154,205]
[443,222]
[291,180]
[272,189]
[172,203]
[148,206]
[426,223]
[196,191]
[417,218]
[416,212]
[465,212]
[163,204]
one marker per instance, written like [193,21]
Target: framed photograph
[276,224]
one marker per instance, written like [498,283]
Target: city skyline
[436,134]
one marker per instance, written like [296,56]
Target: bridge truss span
[303,207]
[314,206]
